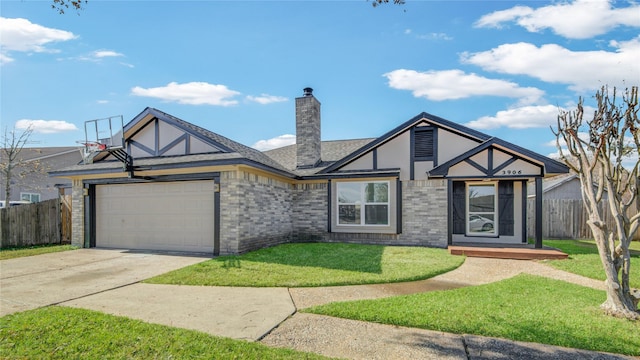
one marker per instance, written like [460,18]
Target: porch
[510,251]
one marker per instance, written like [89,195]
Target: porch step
[508,253]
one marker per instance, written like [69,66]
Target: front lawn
[584,259]
[68,333]
[11,253]
[524,308]
[316,264]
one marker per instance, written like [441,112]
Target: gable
[159,138]
[428,146]
[489,161]
[414,148]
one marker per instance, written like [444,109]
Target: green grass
[68,333]
[11,253]
[584,259]
[316,264]
[525,308]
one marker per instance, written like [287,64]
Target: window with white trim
[363,203]
[482,209]
[31,197]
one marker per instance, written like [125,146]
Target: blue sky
[235,68]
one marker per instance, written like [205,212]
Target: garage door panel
[174,216]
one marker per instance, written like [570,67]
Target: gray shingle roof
[331,151]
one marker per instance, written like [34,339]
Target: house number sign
[511,172]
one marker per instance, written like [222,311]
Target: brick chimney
[307,130]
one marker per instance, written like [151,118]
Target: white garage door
[173,216]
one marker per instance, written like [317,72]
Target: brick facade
[255,212]
[77,213]
[424,213]
[424,218]
[310,211]
[307,130]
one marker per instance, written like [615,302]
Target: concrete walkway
[474,271]
[109,281]
[364,340]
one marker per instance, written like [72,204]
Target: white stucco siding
[199,147]
[482,158]
[500,157]
[396,153]
[464,169]
[451,145]
[420,169]
[168,134]
[364,162]
[519,168]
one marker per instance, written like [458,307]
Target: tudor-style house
[428,182]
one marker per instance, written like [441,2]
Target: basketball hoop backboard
[102,135]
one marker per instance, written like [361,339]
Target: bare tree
[12,145]
[376,3]
[61,5]
[597,150]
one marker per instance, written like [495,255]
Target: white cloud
[21,35]
[525,117]
[580,19]
[455,84]
[102,101]
[429,36]
[45,126]
[193,93]
[5,59]
[266,99]
[276,142]
[581,70]
[99,55]
[106,53]
[434,36]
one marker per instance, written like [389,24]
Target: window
[481,209]
[423,144]
[363,203]
[31,197]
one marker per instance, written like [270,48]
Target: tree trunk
[619,301]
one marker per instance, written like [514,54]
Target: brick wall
[424,216]
[77,213]
[309,213]
[424,213]
[255,212]
[307,131]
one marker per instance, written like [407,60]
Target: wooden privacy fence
[35,224]
[65,219]
[565,219]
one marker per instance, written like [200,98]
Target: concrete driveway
[35,281]
[109,281]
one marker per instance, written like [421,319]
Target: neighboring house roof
[41,153]
[555,182]
[331,151]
